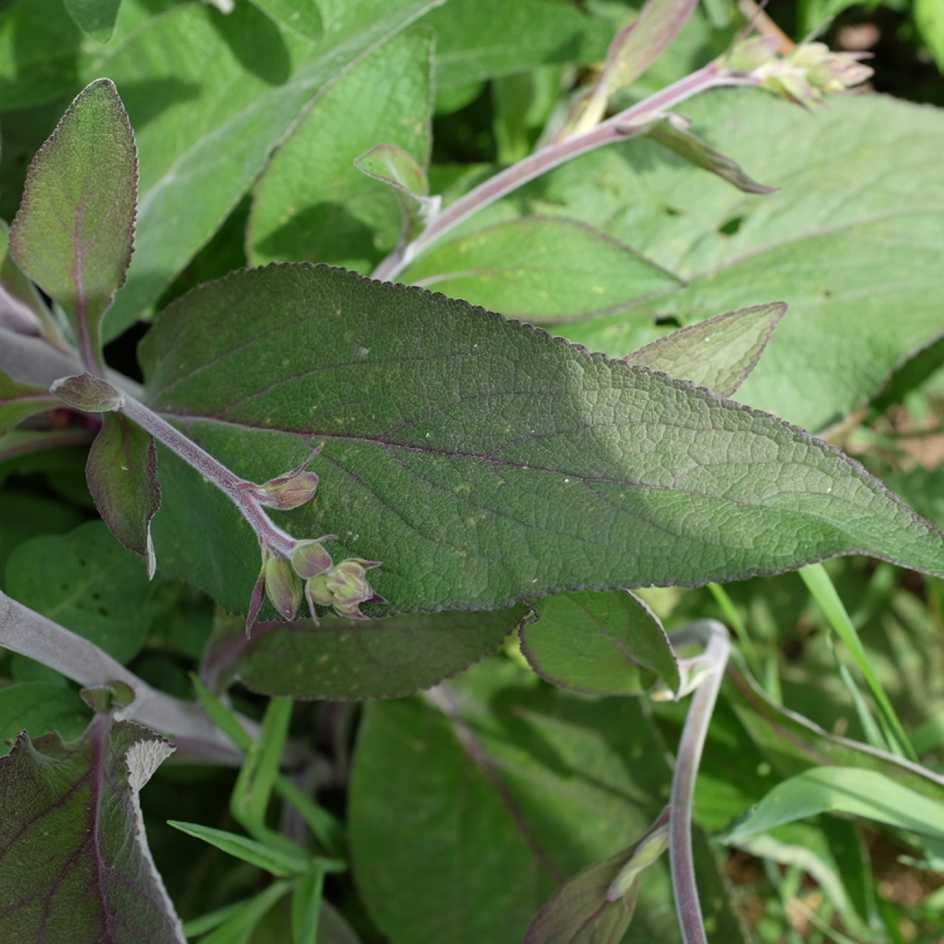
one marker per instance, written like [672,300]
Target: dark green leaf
[490,801]
[74,863]
[122,477]
[40,708]
[569,270]
[599,643]
[336,214]
[94,17]
[87,582]
[74,232]
[719,353]
[341,659]
[480,460]
[23,516]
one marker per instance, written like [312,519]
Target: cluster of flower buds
[311,573]
[808,73]
[307,570]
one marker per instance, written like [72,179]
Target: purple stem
[29,633]
[626,124]
[236,489]
[714,637]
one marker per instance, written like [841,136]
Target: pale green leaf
[719,353]
[220,93]
[850,790]
[542,270]
[312,202]
[94,17]
[850,247]
[276,861]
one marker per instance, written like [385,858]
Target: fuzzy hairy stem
[28,633]
[715,639]
[236,489]
[628,123]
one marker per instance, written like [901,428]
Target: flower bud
[286,492]
[344,588]
[310,558]
[283,588]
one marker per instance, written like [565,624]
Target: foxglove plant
[494,477]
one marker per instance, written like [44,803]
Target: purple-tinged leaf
[121,473]
[87,393]
[580,913]
[719,353]
[74,861]
[356,659]
[674,132]
[18,401]
[599,643]
[597,905]
[74,232]
[21,307]
[633,50]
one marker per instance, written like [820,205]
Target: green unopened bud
[348,582]
[310,559]
[643,854]
[316,591]
[286,492]
[283,588]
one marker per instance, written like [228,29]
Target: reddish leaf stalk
[628,123]
[236,489]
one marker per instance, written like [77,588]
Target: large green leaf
[599,643]
[483,806]
[342,659]
[851,247]
[480,39]
[74,232]
[479,459]
[89,583]
[39,708]
[74,862]
[568,270]
[312,202]
[209,97]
